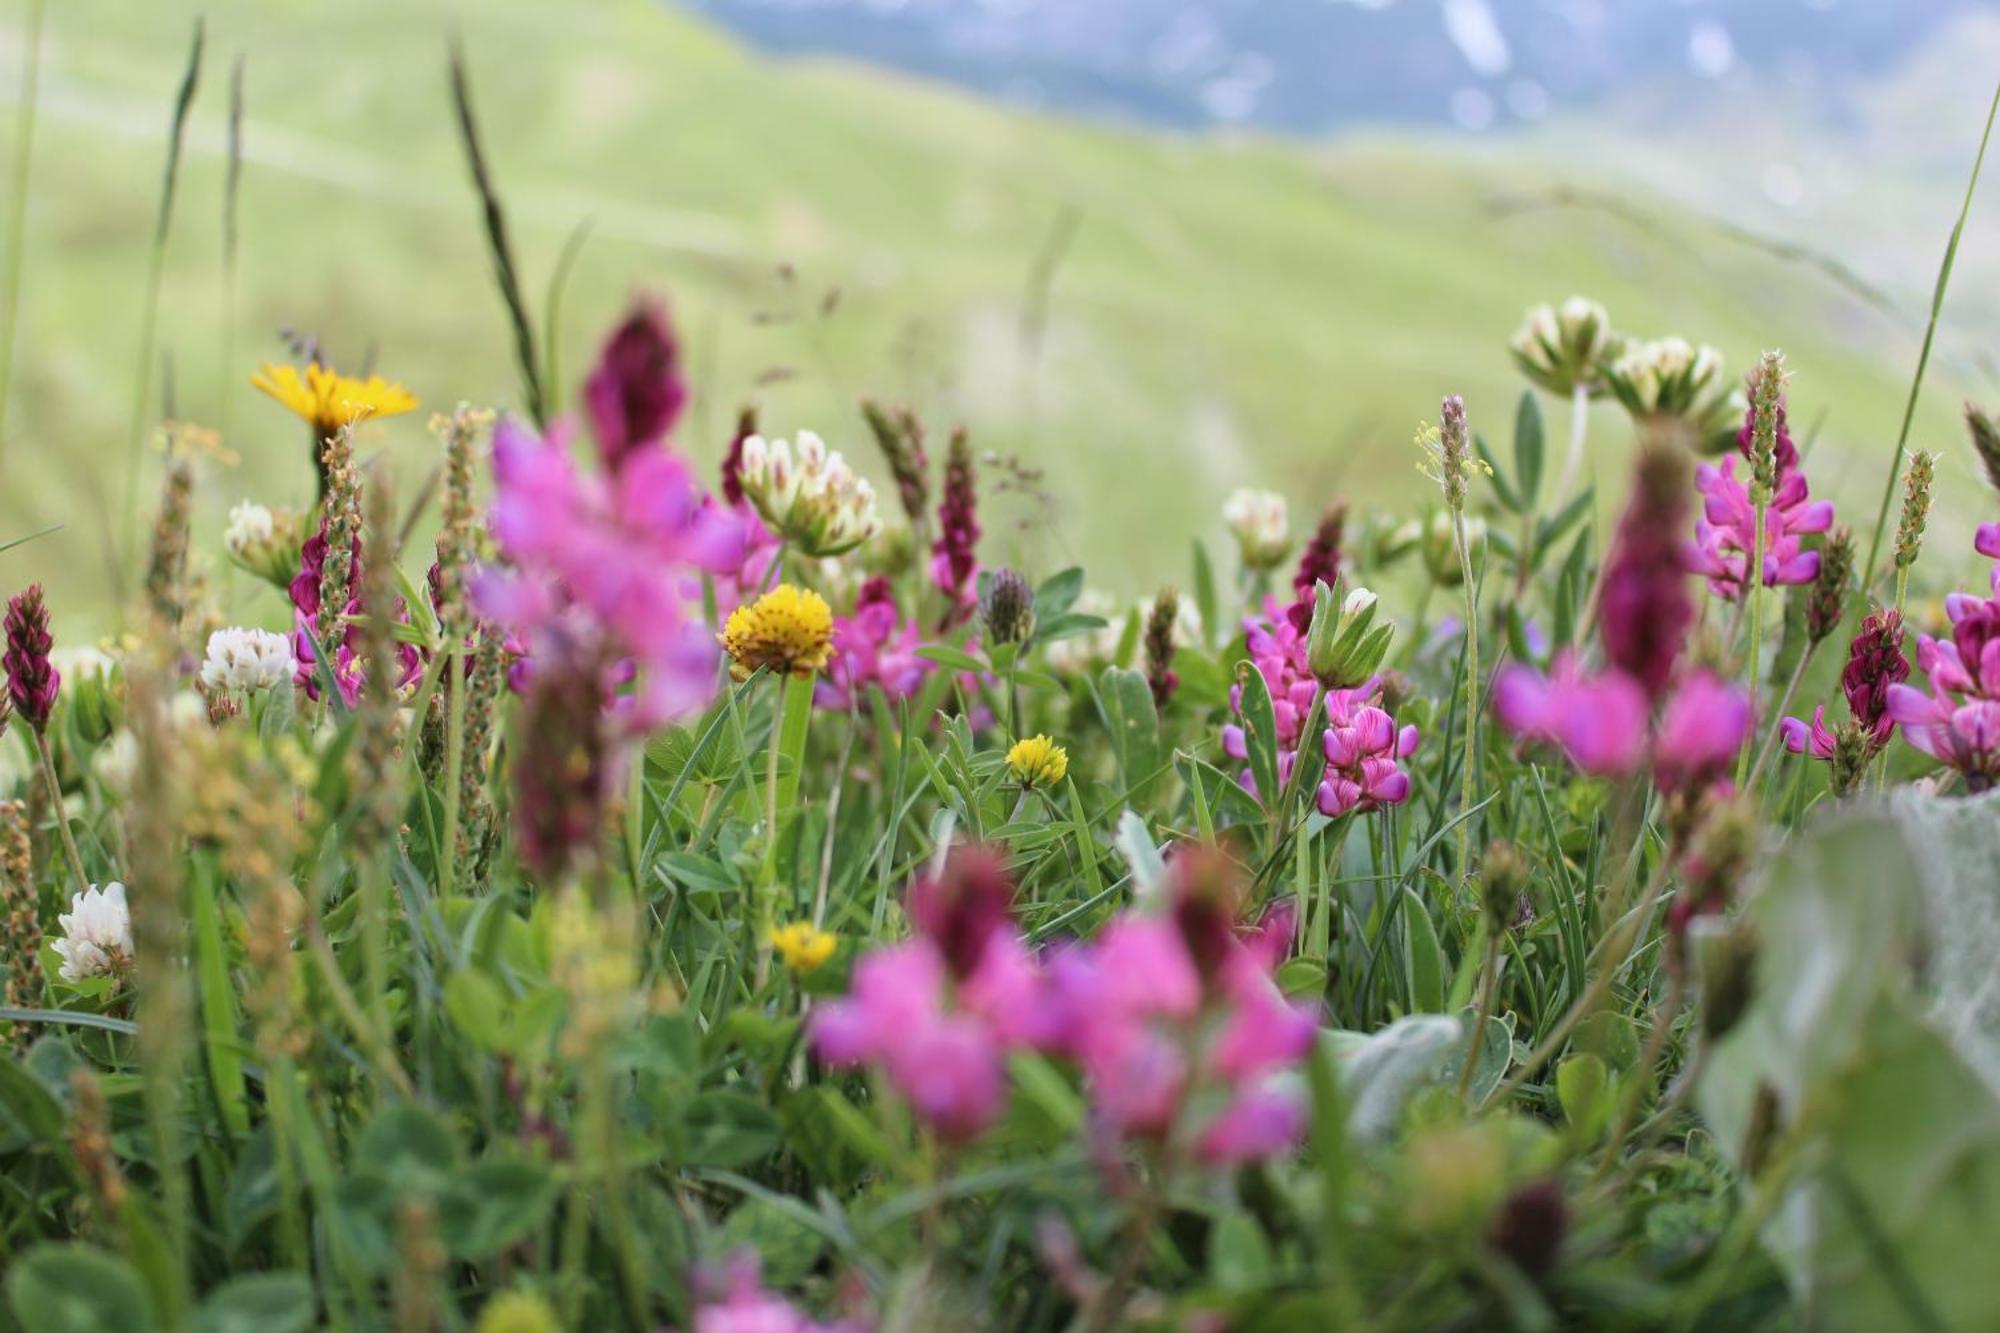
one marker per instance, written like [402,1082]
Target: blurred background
[1147,250]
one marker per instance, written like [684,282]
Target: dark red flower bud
[1644,609]
[32,680]
[961,908]
[636,392]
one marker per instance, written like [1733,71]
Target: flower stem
[1753,589]
[1469,784]
[454,762]
[56,803]
[1488,984]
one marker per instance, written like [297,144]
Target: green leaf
[1204,588]
[1127,706]
[477,1007]
[1260,732]
[494,1204]
[1239,1258]
[1498,476]
[1528,448]
[955,658]
[1058,592]
[794,723]
[1135,841]
[409,1147]
[77,1289]
[1425,960]
[219,1020]
[1583,1087]
[258,1303]
[729,1130]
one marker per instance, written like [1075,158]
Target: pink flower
[1644,610]
[1598,721]
[1261,1122]
[736,1301]
[1360,740]
[874,646]
[1704,724]
[1801,739]
[1727,529]
[1958,722]
[609,561]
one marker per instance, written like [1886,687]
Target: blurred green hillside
[1228,311]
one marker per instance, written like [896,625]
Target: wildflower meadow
[638,880]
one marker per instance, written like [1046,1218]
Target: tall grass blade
[1924,353]
[156,260]
[17,212]
[495,220]
[232,185]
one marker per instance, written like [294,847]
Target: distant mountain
[1308,66]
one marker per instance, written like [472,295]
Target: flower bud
[1564,350]
[1258,521]
[1344,647]
[1728,977]
[1006,606]
[808,494]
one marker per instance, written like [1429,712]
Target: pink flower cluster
[876,645]
[1361,741]
[1605,723]
[603,566]
[736,1301]
[1958,722]
[1875,665]
[349,671]
[1174,1021]
[938,1012]
[1727,529]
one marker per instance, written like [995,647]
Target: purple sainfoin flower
[607,565]
[635,393]
[873,646]
[1875,662]
[732,461]
[1727,528]
[954,556]
[1958,722]
[1603,723]
[1181,1033]
[1598,721]
[938,1012]
[349,671]
[1362,745]
[32,680]
[736,1301]
[1360,740]
[1644,610]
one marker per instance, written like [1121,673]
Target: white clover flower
[250,526]
[1563,349]
[1259,522]
[248,660]
[1668,375]
[97,934]
[808,494]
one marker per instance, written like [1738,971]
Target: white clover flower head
[1538,336]
[250,526]
[97,934]
[808,494]
[247,660]
[1260,523]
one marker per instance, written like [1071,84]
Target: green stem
[454,762]
[1469,784]
[48,764]
[1924,353]
[1488,984]
[1753,590]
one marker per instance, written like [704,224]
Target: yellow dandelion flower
[327,400]
[787,629]
[1037,762]
[803,945]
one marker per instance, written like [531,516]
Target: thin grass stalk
[54,786]
[232,183]
[494,217]
[17,211]
[1924,352]
[149,318]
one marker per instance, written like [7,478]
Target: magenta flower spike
[32,679]
[635,393]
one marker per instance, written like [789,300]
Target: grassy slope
[1230,311]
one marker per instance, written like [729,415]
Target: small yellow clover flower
[787,630]
[327,400]
[1037,762]
[803,945]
